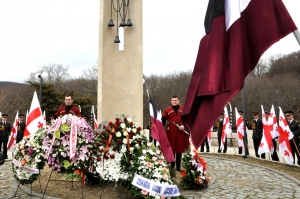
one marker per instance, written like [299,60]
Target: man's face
[221,116]
[289,117]
[255,117]
[174,101]
[21,118]
[4,118]
[68,101]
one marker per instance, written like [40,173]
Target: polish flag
[35,119]
[285,135]
[226,128]
[240,129]
[13,136]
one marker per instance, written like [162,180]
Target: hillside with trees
[273,81]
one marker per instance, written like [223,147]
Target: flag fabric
[226,128]
[209,136]
[14,131]
[285,134]
[95,122]
[158,132]
[34,118]
[236,34]
[240,129]
[266,144]
[45,121]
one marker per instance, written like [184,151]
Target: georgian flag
[209,136]
[35,119]
[13,136]
[240,129]
[285,135]
[226,128]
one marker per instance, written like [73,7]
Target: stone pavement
[231,179]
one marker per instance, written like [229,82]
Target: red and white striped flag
[34,120]
[13,136]
[285,135]
[240,129]
[226,128]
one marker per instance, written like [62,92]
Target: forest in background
[274,81]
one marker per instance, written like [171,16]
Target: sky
[35,33]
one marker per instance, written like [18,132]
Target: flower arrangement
[194,176]
[28,158]
[68,143]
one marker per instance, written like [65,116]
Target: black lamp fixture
[122,8]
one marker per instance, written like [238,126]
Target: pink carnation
[144,192]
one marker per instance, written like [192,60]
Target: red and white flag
[240,129]
[158,132]
[45,121]
[14,131]
[270,131]
[236,33]
[285,135]
[95,122]
[209,136]
[35,119]
[226,128]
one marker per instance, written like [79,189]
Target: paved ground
[231,179]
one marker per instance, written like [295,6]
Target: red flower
[119,142]
[117,119]
[104,141]
[110,124]
[112,156]
[114,149]
[98,158]
[139,140]
[125,119]
[131,124]
[116,127]
[104,127]
[112,133]
[109,143]
[139,129]
[101,150]
[103,133]
[106,157]
[131,134]
[183,173]
[78,172]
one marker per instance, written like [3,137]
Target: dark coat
[5,130]
[179,140]
[20,132]
[257,128]
[295,128]
[219,127]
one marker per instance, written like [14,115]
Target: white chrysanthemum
[118,134]
[123,125]
[125,133]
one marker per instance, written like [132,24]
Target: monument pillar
[120,73]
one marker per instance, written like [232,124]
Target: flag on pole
[158,132]
[236,34]
[209,136]
[95,122]
[34,119]
[266,144]
[14,131]
[226,128]
[285,135]
[45,121]
[240,129]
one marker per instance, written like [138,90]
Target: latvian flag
[236,34]
[158,132]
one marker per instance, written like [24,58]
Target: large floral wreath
[28,158]
[68,143]
[195,175]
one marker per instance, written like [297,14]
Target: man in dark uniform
[274,156]
[295,128]
[68,108]
[178,139]
[219,127]
[5,130]
[21,127]
[205,142]
[257,128]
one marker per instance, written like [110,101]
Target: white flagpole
[297,36]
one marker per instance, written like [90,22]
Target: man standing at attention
[21,128]
[295,128]
[68,108]
[5,130]
[219,127]
[257,127]
[179,140]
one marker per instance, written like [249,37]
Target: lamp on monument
[41,76]
[122,9]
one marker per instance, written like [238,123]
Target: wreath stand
[30,188]
[64,181]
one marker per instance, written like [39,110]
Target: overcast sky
[35,33]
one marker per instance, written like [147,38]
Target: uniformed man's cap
[255,113]
[267,112]
[288,113]
[222,113]
[241,112]
[4,115]
[21,115]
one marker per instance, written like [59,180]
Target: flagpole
[245,122]
[297,36]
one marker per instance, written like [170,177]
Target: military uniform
[5,130]
[256,126]
[295,128]
[219,127]
[21,128]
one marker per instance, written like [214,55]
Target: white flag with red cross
[13,136]
[226,128]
